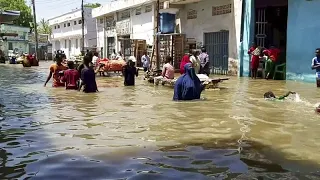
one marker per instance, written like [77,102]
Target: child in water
[270,95]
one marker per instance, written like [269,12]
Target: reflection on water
[139,133]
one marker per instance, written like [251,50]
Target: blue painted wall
[248,37]
[303,37]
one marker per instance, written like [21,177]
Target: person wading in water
[204,62]
[88,77]
[56,72]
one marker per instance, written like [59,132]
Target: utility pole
[35,26]
[157,36]
[82,20]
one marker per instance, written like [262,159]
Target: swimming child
[270,95]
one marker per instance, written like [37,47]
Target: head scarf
[184,61]
[188,86]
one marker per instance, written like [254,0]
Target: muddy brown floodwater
[140,133]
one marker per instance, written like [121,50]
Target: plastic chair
[280,69]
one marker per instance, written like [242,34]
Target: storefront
[290,25]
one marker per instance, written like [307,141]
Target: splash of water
[297,98]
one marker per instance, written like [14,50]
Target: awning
[8,16]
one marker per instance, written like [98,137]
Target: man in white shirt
[145,60]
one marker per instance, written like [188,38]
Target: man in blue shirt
[145,61]
[316,65]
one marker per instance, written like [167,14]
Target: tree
[92,5]
[18,5]
[44,27]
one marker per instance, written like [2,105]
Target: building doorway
[111,46]
[271,26]
[217,46]
[271,23]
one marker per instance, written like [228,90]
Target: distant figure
[204,62]
[316,66]
[2,58]
[45,56]
[113,55]
[255,53]
[188,86]
[71,77]
[95,58]
[145,60]
[270,95]
[194,59]
[119,56]
[56,72]
[129,73]
[184,61]
[88,77]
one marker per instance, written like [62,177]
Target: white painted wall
[143,25]
[205,22]
[73,32]
[118,5]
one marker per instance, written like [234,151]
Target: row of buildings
[225,27]
[17,39]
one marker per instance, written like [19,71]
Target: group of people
[65,75]
[199,60]
[259,54]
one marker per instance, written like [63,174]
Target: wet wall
[247,36]
[302,39]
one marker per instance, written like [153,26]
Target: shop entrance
[271,25]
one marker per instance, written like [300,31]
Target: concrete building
[213,23]
[291,25]
[216,25]
[67,32]
[18,44]
[118,22]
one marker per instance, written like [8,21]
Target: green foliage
[18,5]
[92,5]
[43,27]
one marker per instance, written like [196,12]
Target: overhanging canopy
[8,16]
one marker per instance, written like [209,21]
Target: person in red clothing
[184,61]
[71,77]
[255,52]
[274,53]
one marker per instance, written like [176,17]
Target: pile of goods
[111,65]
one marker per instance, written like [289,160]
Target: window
[58,26]
[80,22]
[69,44]
[77,43]
[138,11]
[123,15]
[110,21]
[65,44]
[64,25]
[161,5]
[218,10]
[74,22]
[148,8]
[101,20]
[55,27]
[68,24]
[10,46]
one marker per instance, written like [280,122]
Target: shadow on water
[27,150]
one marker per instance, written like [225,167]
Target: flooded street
[140,133]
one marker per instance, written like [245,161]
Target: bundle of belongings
[111,65]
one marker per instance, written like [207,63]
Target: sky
[50,8]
